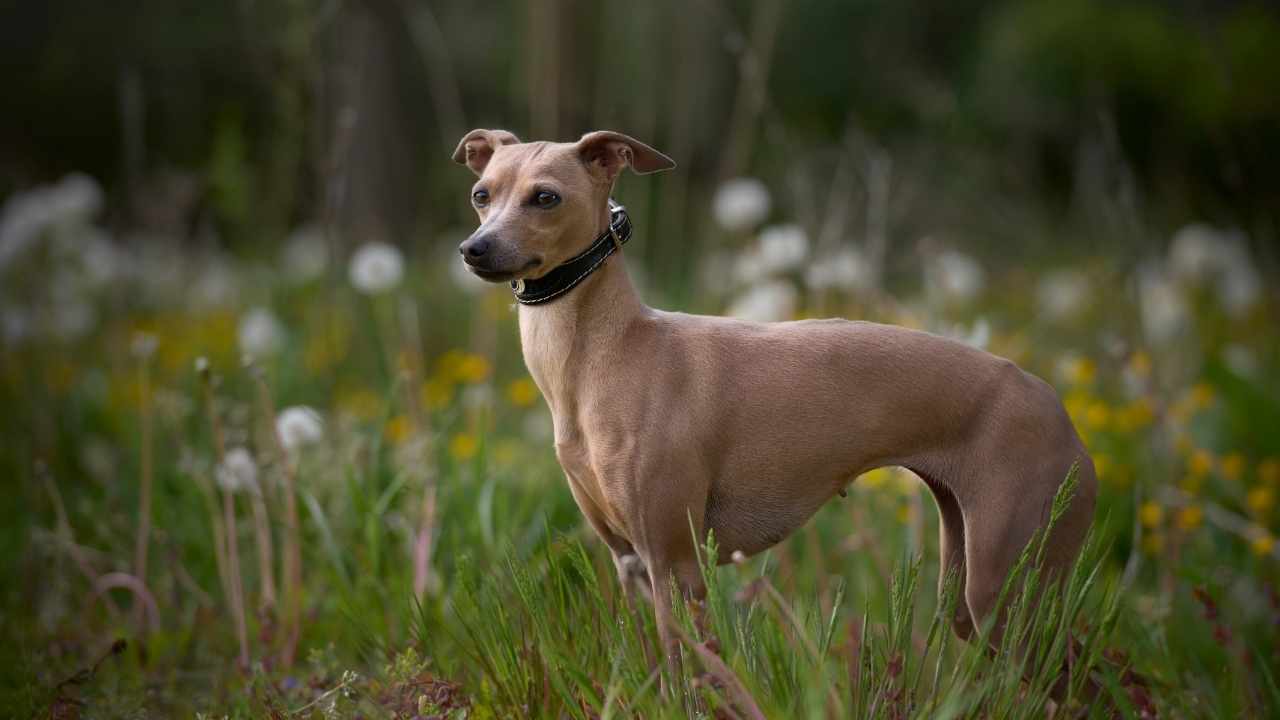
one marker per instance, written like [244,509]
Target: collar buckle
[567,275]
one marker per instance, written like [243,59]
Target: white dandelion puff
[1062,294]
[260,333]
[297,426]
[1160,304]
[783,247]
[376,267]
[741,204]
[955,276]
[846,269]
[769,302]
[237,472]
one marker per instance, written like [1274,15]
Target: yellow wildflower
[398,429]
[447,365]
[1263,543]
[1140,364]
[1098,415]
[1260,500]
[463,446]
[1269,471]
[1136,415]
[1080,371]
[1201,395]
[473,368]
[437,393]
[1151,514]
[905,483]
[363,404]
[522,392]
[904,512]
[1101,464]
[876,478]
[1192,483]
[1190,517]
[1201,463]
[1077,403]
[1153,543]
[1232,466]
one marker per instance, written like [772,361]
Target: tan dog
[663,420]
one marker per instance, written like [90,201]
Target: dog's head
[541,203]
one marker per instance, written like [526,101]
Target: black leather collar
[566,276]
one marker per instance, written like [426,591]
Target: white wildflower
[741,204]
[955,276]
[305,256]
[376,267]
[260,333]
[26,216]
[297,426]
[1203,255]
[770,302]
[847,269]
[1062,293]
[22,219]
[237,472]
[76,199]
[1193,253]
[1160,304]
[783,247]
[1239,284]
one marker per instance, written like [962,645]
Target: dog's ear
[477,146]
[608,152]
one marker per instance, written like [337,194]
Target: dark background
[1025,127]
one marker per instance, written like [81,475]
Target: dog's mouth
[497,276]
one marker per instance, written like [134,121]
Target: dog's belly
[755,521]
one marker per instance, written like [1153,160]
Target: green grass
[1172,607]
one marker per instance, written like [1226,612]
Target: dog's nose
[474,247]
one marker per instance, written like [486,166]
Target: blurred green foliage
[999,95]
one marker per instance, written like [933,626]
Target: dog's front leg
[674,569]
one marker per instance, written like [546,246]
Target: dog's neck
[566,338]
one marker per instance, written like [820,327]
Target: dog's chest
[598,491]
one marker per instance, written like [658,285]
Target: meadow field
[270,452]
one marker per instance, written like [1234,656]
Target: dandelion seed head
[955,276]
[783,247]
[376,267]
[260,333]
[299,426]
[769,302]
[741,203]
[237,472]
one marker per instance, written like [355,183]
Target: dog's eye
[546,200]
[480,198]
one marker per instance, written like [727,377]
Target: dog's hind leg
[997,534]
[951,551]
